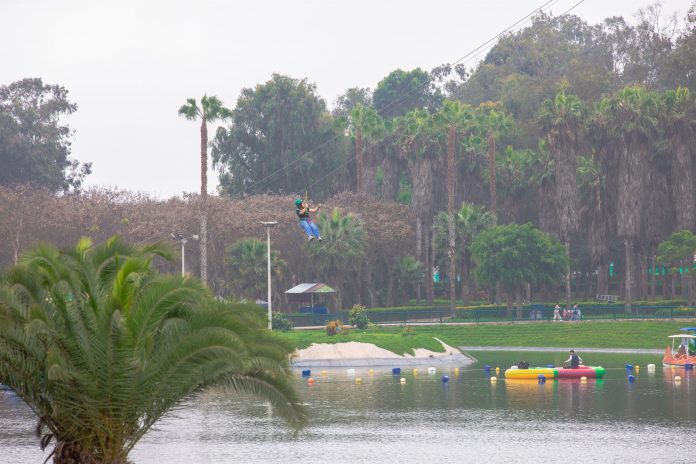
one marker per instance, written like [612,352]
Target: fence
[536,313]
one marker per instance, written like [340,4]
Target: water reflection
[379,420]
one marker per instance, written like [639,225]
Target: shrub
[281,322]
[358,317]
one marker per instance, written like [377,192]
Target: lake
[467,420]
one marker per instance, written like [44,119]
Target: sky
[129,65]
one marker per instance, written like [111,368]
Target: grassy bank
[599,334]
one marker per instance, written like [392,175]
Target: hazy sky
[129,65]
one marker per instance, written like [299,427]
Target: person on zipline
[306,222]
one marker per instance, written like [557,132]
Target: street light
[183,240]
[268,225]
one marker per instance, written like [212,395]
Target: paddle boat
[591,372]
[685,352]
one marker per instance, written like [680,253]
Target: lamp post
[268,225]
[183,240]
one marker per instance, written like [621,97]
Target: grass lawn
[589,334]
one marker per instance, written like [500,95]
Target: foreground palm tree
[210,110]
[100,347]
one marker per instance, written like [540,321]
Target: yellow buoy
[358,380]
[494,379]
[583,379]
[497,370]
[456,371]
[372,372]
[637,369]
[323,373]
[415,371]
[403,381]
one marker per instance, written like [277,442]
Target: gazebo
[308,294]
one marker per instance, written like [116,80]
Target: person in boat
[574,361]
[306,222]
[681,352]
[523,365]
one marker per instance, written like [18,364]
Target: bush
[358,317]
[333,327]
[281,322]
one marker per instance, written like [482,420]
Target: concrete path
[547,349]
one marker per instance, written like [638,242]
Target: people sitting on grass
[573,362]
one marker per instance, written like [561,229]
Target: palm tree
[247,267]
[210,110]
[343,246]
[632,120]
[680,126]
[100,346]
[365,122]
[470,220]
[493,123]
[562,120]
[409,274]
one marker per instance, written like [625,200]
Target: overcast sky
[130,64]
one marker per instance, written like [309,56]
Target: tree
[632,119]
[280,136]
[678,251]
[404,91]
[343,246]
[210,110]
[494,123]
[247,267]
[516,255]
[34,144]
[409,274]
[364,121]
[469,221]
[561,122]
[101,346]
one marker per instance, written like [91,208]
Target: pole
[268,256]
[183,257]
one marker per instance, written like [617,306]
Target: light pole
[183,240]
[268,225]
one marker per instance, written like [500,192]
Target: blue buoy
[631,379]
[629,367]
[542,378]
[306,373]
[689,367]
[550,366]
[487,368]
[445,379]
[396,371]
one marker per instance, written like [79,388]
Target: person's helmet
[298,202]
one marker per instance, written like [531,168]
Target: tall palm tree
[101,346]
[246,263]
[562,120]
[210,110]
[632,120]
[679,121]
[366,125]
[493,123]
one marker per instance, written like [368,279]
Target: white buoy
[677,378]
[651,368]
[583,379]
[403,381]
[494,379]
[350,372]
[431,371]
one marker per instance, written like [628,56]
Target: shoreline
[550,349]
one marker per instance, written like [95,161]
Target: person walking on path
[557,313]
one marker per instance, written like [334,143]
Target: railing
[440,315]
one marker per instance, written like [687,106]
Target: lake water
[424,421]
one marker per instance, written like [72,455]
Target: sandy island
[357,354]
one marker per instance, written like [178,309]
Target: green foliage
[515,255]
[679,248]
[344,242]
[34,144]
[404,91]
[358,317]
[247,268]
[101,346]
[408,331]
[280,321]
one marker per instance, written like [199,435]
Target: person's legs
[306,227]
[314,229]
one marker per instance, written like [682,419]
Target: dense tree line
[585,131]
